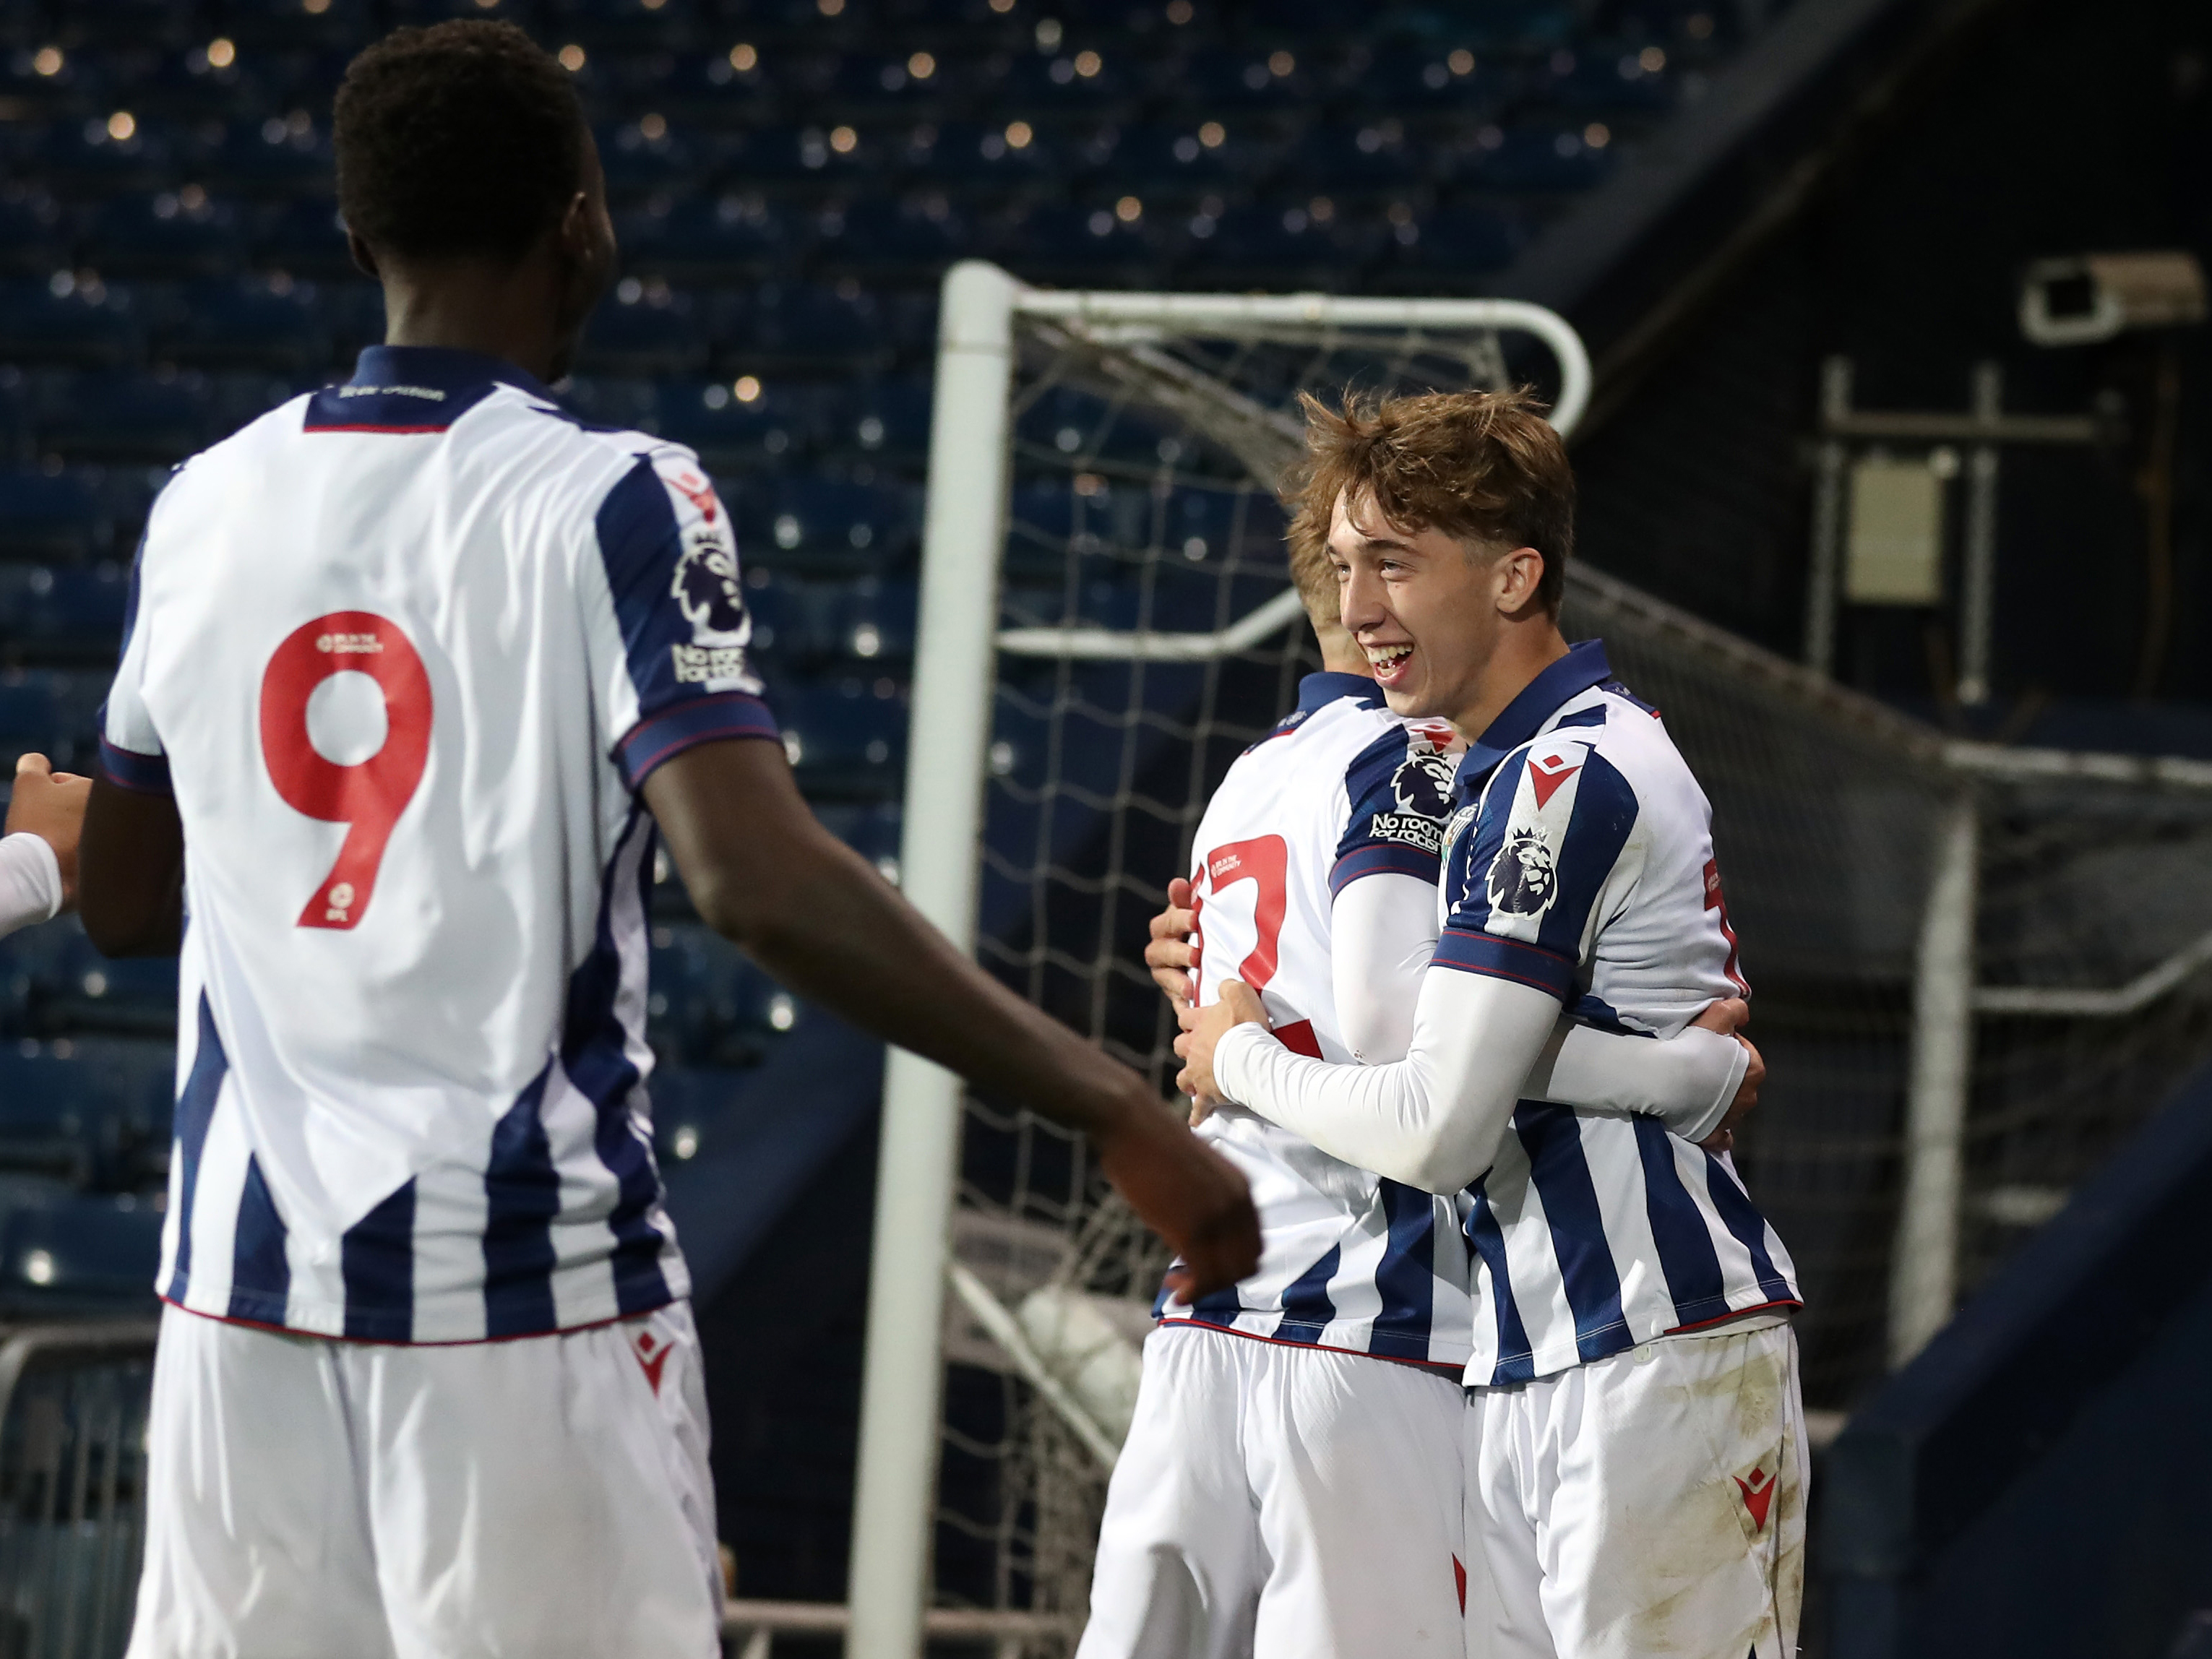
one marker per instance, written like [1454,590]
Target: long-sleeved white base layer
[1480,1045]
[30,882]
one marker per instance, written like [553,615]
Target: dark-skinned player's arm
[768,877]
[131,873]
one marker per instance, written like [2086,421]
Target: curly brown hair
[1485,466]
[462,139]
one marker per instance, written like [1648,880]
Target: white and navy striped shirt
[404,651]
[1342,789]
[1580,861]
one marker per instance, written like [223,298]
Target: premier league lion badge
[706,587]
[1522,882]
[1423,781]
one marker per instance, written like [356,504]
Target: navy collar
[1318,691]
[445,368]
[1584,667]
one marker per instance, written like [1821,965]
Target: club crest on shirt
[1523,880]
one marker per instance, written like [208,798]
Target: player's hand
[1188,1193]
[1202,1030]
[1171,955]
[50,804]
[1726,1016]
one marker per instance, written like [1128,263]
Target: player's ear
[1520,574]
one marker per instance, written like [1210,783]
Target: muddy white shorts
[1291,1503]
[545,1498]
[1649,1505]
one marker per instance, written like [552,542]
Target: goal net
[1105,584]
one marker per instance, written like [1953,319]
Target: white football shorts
[545,1498]
[1291,1503]
[1647,1505]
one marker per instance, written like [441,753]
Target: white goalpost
[1959,1018]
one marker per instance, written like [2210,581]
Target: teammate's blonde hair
[1485,466]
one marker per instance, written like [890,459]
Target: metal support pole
[1923,1274]
[1978,605]
[1824,575]
[951,725]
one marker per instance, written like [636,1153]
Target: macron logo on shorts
[1758,1494]
[651,1351]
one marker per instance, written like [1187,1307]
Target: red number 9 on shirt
[367,797]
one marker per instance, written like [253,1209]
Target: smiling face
[1428,609]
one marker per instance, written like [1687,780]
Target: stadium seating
[790,179]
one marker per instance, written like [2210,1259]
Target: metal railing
[73,1401]
[750,1628]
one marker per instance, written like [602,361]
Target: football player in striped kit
[421,668]
[1635,1455]
[1290,1482]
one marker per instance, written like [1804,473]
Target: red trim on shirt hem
[1738,1313]
[318,427]
[1455,1367]
[389,1342]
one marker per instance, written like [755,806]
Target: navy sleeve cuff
[1383,857]
[660,738]
[126,768]
[1505,958]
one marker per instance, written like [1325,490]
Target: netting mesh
[1141,477]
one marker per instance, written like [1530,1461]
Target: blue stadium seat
[50,517]
[646,155]
[892,242]
[805,159]
[244,324]
[34,241]
[1537,160]
[709,90]
[87,992]
[274,155]
[305,237]
[985,157]
[619,25]
[15,420]
[1196,158]
[872,619]
[1598,80]
[641,333]
[82,1253]
[709,1005]
[695,239]
[808,326]
[70,606]
[886,419]
[1066,242]
[1222,80]
[1270,244]
[1374,159]
[1078,83]
[62,321]
[1067,421]
[120,416]
[894,86]
[843,738]
[30,711]
[186,86]
[871,828]
[80,1108]
[1453,242]
[729,430]
[423,13]
[108,151]
[67,83]
[1433,81]
[328,24]
[824,523]
[168,233]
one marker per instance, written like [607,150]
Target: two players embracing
[1469,884]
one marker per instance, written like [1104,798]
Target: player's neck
[473,307]
[1525,650]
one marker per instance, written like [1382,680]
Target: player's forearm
[1382,931]
[1687,1081]
[1432,1119]
[131,873]
[30,882]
